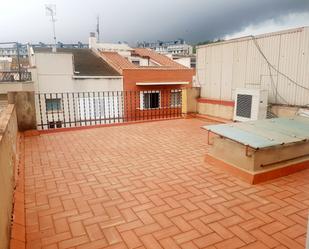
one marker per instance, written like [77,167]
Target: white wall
[54,75]
[223,67]
[143,62]
[185,61]
[122,48]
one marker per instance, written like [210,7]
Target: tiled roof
[158,58]
[86,62]
[117,61]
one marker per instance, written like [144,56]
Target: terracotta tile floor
[147,186]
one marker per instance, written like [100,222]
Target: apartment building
[67,83]
[176,47]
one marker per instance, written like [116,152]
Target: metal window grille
[151,100]
[175,98]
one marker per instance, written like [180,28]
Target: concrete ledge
[255,178]
[209,118]
[31,133]
[216,108]
[216,102]
[18,232]
[8,167]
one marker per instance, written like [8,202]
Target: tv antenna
[98,27]
[51,11]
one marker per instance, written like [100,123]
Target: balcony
[15,76]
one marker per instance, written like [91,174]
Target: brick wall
[149,75]
[131,76]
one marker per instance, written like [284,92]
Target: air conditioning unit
[250,104]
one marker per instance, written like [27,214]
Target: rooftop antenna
[98,27]
[51,11]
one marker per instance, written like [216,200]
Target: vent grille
[244,104]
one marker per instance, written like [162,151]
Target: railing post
[18,61]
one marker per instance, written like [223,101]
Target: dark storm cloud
[140,20]
[203,20]
[227,17]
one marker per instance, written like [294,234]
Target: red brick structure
[153,89]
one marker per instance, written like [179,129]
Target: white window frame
[141,98]
[60,109]
[176,91]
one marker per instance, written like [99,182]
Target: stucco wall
[192,96]
[215,110]
[25,109]
[54,73]
[186,61]
[8,136]
[6,87]
[225,109]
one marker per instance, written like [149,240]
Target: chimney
[92,40]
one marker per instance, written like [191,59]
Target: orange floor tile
[147,186]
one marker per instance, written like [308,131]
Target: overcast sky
[148,20]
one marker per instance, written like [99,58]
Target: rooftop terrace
[147,186]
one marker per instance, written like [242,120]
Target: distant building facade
[14,49]
[17,49]
[176,47]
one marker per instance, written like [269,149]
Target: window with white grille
[175,98]
[150,99]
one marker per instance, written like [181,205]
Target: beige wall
[25,109]
[216,110]
[227,112]
[284,111]
[259,160]
[6,87]
[192,96]
[8,136]
[224,66]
